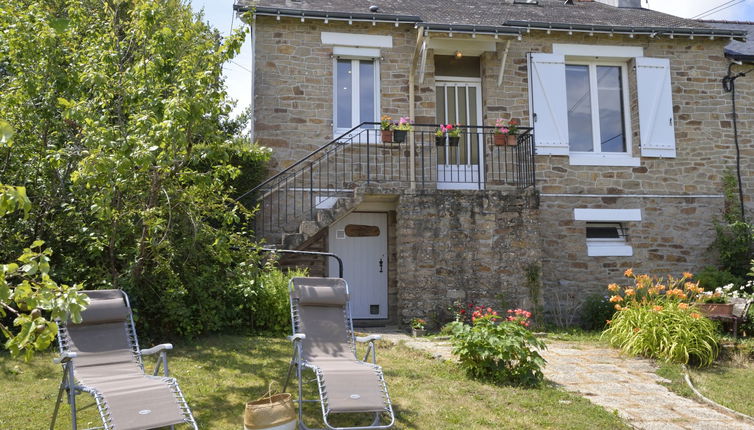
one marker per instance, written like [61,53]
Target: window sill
[609,251]
[590,159]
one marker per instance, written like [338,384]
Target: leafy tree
[124,140]
[26,288]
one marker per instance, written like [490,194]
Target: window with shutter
[548,103]
[655,107]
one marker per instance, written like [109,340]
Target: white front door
[459,167]
[360,239]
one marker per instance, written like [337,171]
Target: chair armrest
[370,338]
[158,348]
[297,337]
[65,357]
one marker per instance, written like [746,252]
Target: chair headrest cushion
[320,291]
[105,306]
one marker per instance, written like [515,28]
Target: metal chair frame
[68,383]
[300,365]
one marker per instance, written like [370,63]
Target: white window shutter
[655,107]
[549,103]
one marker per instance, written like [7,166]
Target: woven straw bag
[270,412]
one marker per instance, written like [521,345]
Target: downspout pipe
[252,104]
[729,85]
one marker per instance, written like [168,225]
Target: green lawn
[219,373]
[728,383]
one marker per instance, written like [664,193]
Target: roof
[499,14]
[739,50]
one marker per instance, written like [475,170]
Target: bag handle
[271,391]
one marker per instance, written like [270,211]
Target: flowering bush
[386,123]
[519,316]
[506,127]
[404,123]
[656,320]
[448,129]
[500,351]
[418,323]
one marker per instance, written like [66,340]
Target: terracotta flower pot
[511,139]
[715,309]
[500,139]
[387,136]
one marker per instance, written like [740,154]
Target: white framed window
[599,123]
[580,108]
[607,239]
[606,230]
[356,92]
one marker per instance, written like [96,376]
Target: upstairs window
[596,113]
[356,93]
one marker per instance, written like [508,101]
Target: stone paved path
[629,386]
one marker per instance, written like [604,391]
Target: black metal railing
[363,156]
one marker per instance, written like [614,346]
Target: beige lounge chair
[323,342]
[101,357]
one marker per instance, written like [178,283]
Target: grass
[219,373]
[728,382]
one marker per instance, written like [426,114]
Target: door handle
[381,263]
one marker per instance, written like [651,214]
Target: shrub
[671,332]
[710,278]
[263,303]
[596,311]
[655,320]
[499,351]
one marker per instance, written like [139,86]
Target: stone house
[625,135]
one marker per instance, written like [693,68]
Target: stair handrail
[303,160]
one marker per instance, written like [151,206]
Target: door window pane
[579,108]
[366,90]
[610,94]
[343,94]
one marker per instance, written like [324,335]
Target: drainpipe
[729,85]
[252,105]
[411,104]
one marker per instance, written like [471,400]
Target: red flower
[463,311]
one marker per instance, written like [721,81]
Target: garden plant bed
[219,373]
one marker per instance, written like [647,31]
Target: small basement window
[607,240]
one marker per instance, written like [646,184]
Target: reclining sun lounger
[324,343]
[101,357]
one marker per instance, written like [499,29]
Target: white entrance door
[459,167]
[360,239]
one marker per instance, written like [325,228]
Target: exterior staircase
[303,200]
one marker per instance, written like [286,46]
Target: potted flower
[386,127]
[418,327]
[401,129]
[714,303]
[453,134]
[506,132]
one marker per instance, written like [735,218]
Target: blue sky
[219,13]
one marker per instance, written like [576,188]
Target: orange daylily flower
[613,287]
[657,308]
[630,292]
[695,315]
[683,306]
[616,299]
[629,273]
[688,275]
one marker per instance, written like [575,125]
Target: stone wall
[294,82]
[466,246]
[673,237]
[450,245]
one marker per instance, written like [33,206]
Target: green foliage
[26,290]
[733,241]
[673,332]
[263,300]
[596,311]
[503,352]
[711,278]
[124,140]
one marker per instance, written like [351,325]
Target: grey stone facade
[476,245]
